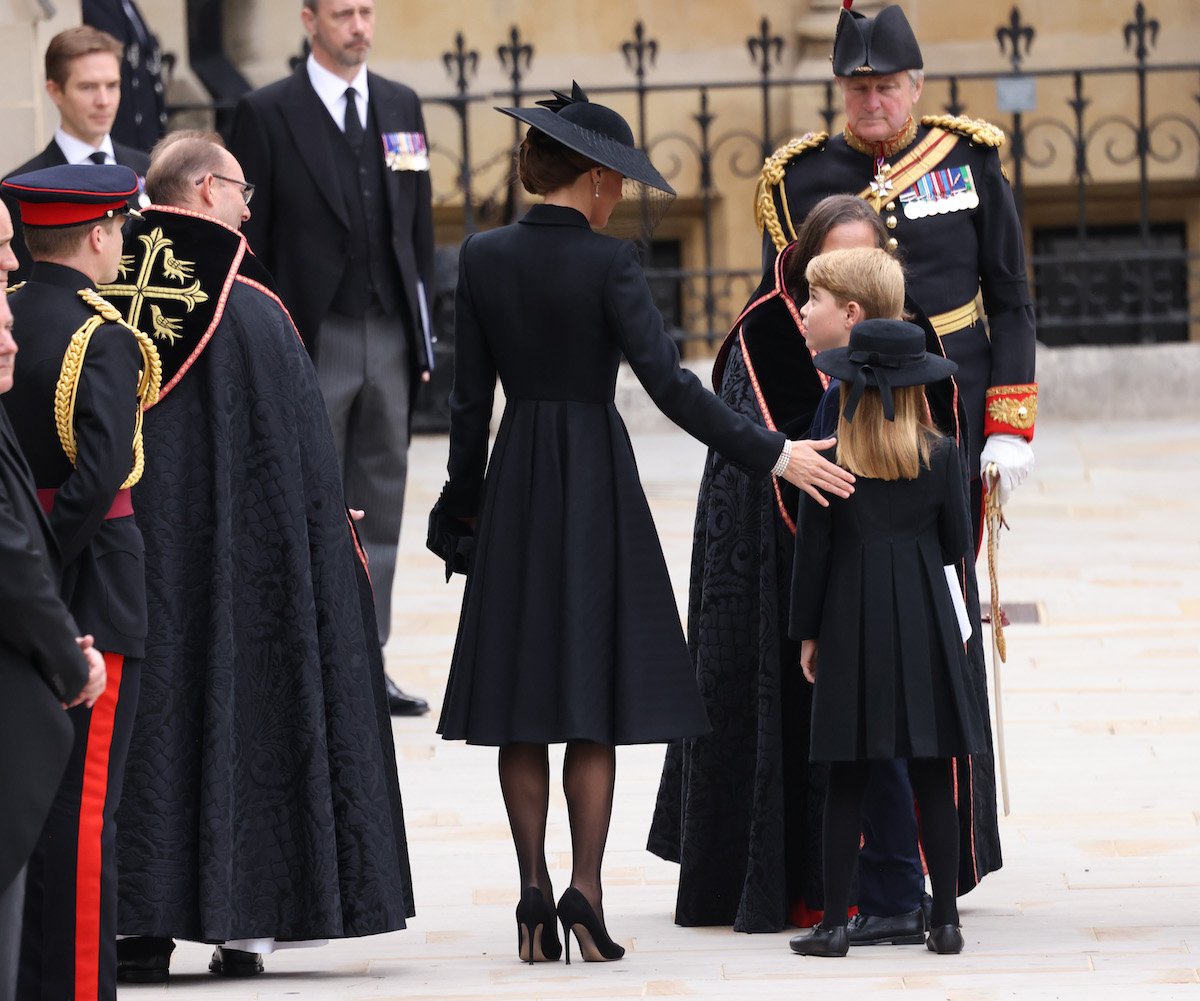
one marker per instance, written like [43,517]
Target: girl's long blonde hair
[872,446]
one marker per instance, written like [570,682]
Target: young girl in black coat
[870,594]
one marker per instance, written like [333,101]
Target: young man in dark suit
[41,666]
[83,79]
[344,221]
[82,378]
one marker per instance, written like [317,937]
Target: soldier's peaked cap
[874,46]
[72,194]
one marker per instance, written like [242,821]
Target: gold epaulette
[65,392]
[13,288]
[975,129]
[766,216]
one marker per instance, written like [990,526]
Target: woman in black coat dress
[569,630]
[871,600]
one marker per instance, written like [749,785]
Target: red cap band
[68,213]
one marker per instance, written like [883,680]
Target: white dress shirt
[331,89]
[77,151]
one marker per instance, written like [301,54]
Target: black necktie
[353,128]
[98,157]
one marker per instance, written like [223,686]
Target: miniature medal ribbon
[939,192]
[405,150]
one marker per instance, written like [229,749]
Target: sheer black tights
[589,775]
[932,782]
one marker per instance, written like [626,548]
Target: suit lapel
[53,155]
[301,112]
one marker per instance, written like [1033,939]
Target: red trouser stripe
[91,825]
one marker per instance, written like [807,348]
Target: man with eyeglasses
[262,741]
[83,79]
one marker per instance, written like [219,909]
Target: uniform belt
[954,320]
[122,505]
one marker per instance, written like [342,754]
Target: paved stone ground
[1100,894]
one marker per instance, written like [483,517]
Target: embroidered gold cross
[141,290]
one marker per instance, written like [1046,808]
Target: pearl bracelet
[785,457]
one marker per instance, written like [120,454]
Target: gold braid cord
[975,129]
[67,389]
[766,216]
[995,521]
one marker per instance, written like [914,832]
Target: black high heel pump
[537,930]
[577,916]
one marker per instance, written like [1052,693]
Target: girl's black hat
[594,131]
[883,354]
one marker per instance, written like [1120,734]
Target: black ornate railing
[1100,158]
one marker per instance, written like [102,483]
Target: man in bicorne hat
[82,378]
[941,191]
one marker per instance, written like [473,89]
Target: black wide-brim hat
[594,131]
[875,46]
[883,354]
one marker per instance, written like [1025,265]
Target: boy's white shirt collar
[331,89]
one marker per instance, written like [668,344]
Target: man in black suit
[83,79]
[41,667]
[344,221]
[82,378]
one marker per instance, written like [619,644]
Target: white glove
[1013,457]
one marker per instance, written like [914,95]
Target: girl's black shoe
[537,930]
[577,916]
[822,942]
[945,940]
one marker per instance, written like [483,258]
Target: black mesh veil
[640,211]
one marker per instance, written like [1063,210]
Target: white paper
[956,599]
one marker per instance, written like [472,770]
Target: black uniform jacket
[949,257]
[52,156]
[103,578]
[40,665]
[299,224]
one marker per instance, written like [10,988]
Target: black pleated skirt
[892,675]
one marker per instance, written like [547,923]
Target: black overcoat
[40,665]
[299,225]
[892,672]
[569,628]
